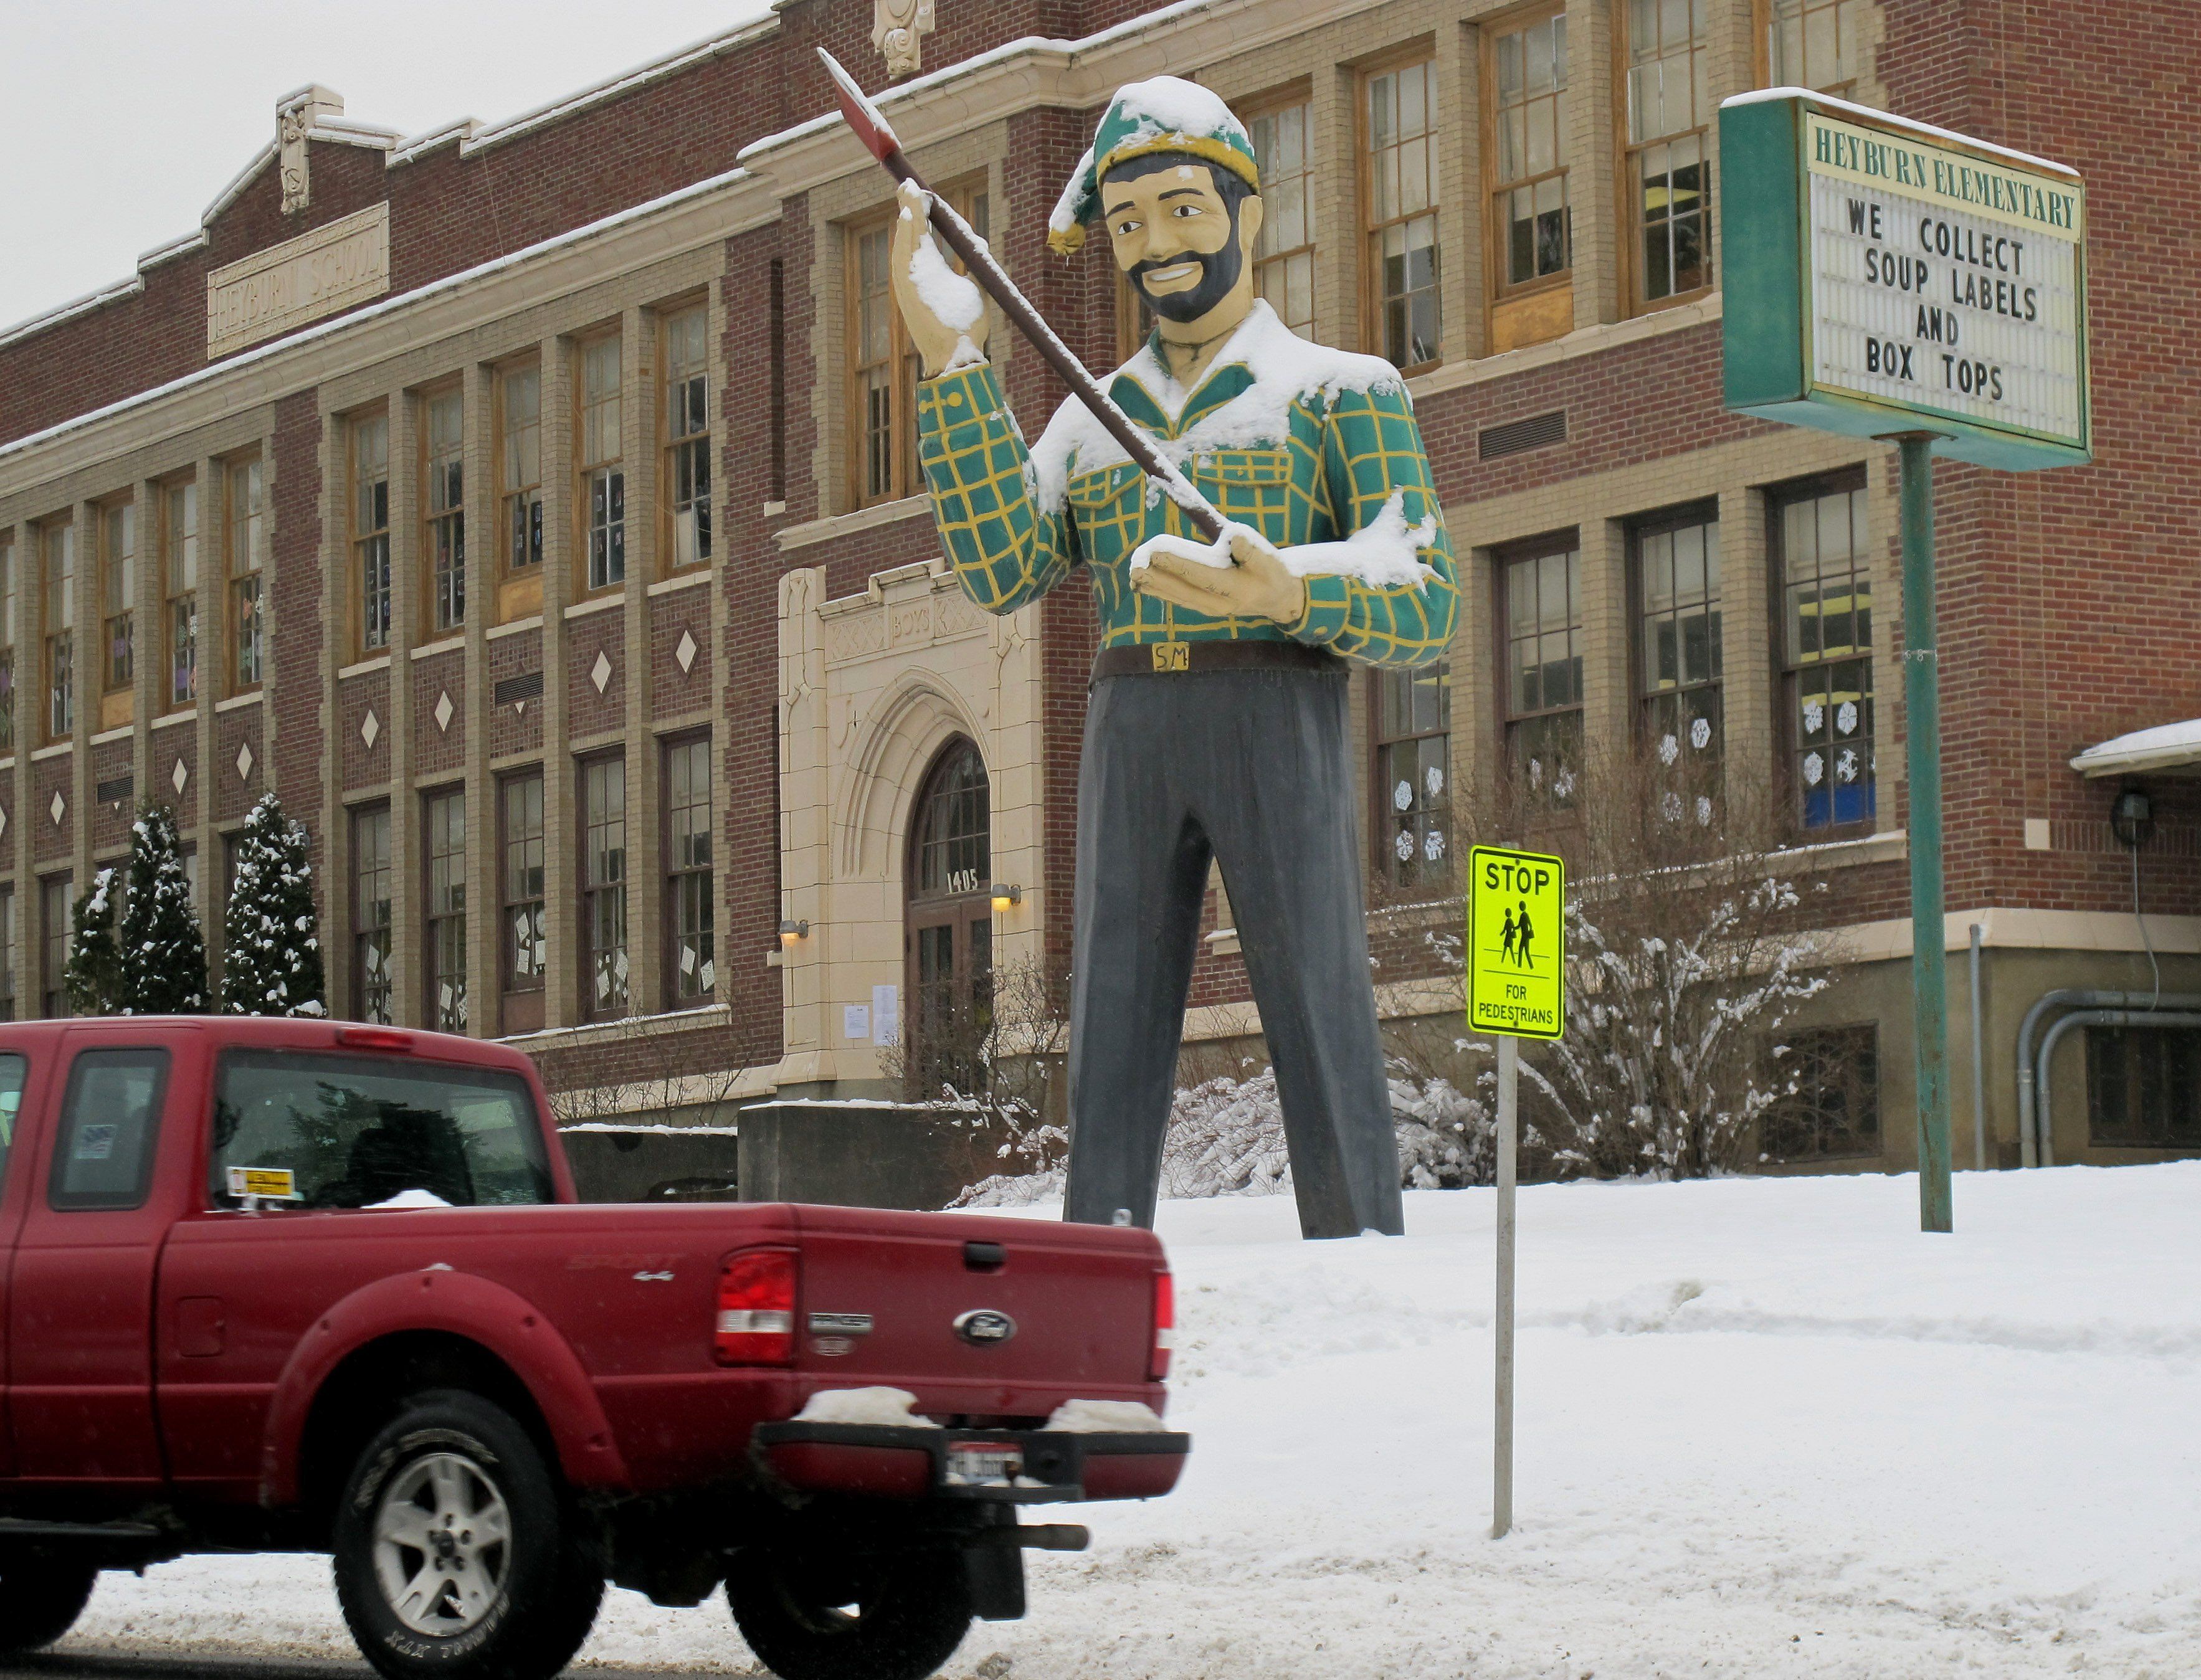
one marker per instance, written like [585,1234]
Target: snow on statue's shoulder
[1286,369]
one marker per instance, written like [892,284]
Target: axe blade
[872,127]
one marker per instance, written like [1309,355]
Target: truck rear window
[359,1131]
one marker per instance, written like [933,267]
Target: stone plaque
[299,280]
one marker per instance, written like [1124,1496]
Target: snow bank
[405,1199]
[887,1406]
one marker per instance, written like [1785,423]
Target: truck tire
[456,1553]
[895,1618]
[40,1601]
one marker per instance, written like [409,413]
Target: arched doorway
[950,925]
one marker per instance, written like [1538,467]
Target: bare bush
[1689,950]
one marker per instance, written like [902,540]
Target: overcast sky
[124,118]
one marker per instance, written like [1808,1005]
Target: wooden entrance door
[949,927]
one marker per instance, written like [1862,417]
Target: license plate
[982,1464]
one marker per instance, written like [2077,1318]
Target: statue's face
[1176,236]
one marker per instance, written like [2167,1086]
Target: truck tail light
[1164,1326]
[756,1309]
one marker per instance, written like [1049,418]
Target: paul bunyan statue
[1217,723]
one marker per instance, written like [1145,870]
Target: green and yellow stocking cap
[1166,113]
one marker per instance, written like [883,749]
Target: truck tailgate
[975,1316]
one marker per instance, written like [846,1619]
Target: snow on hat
[1164,114]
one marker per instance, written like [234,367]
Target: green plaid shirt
[1343,454]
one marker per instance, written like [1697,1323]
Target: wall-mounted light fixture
[1006,896]
[2132,818]
[791,931]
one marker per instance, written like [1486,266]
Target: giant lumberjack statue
[1217,724]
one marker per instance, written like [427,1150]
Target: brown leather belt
[1151,659]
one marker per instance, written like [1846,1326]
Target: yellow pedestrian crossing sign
[1515,942]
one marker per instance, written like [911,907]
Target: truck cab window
[351,1131]
[110,1121]
[13,1070]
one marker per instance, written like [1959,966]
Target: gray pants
[1253,769]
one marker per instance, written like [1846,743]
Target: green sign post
[1516,964]
[1891,280]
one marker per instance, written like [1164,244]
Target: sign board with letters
[286,287]
[1516,943]
[1881,276]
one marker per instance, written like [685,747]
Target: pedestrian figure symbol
[1507,948]
[1526,933]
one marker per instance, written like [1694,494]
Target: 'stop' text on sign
[1883,277]
[1515,942]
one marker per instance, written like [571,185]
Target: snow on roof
[2168,746]
[336,324]
[1888,119]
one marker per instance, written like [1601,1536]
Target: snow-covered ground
[1767,1428]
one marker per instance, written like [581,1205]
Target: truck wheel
[456,1552]
[40,1601]
[896,1617]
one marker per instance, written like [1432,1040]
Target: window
[1677,598]
[447,910]
[9,960]
[1540,612]
[444,510]
[2144,1087]
[519,398]
[118,594]
[358,1131]
[1399,197]
[370,528]
[179,593]
[522,879]
[1413,774]
[950,926]
[1667,165]
[59,542]
[603,885]
[1283,256]
[110,1124]
[57,898]
[1826,612]
[1816,43]
[1833,1109]
[603,479]
[370,914]
[242,508]
[687,489]
[1527,97]
[13,1070]
[7,645]
[883,369]
[688,895]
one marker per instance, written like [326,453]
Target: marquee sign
[1883,276]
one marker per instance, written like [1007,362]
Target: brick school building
[533,507]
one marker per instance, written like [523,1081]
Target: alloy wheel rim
[442,1544]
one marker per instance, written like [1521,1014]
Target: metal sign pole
[1501,1456]
[1922,701]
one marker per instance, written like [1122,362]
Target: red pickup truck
[305,1286]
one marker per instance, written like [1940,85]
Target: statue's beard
[1218,274]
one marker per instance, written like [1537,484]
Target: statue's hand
[944,311]
[1242,577]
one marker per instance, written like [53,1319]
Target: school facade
[534,508]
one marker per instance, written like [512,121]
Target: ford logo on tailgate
[983,1327]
